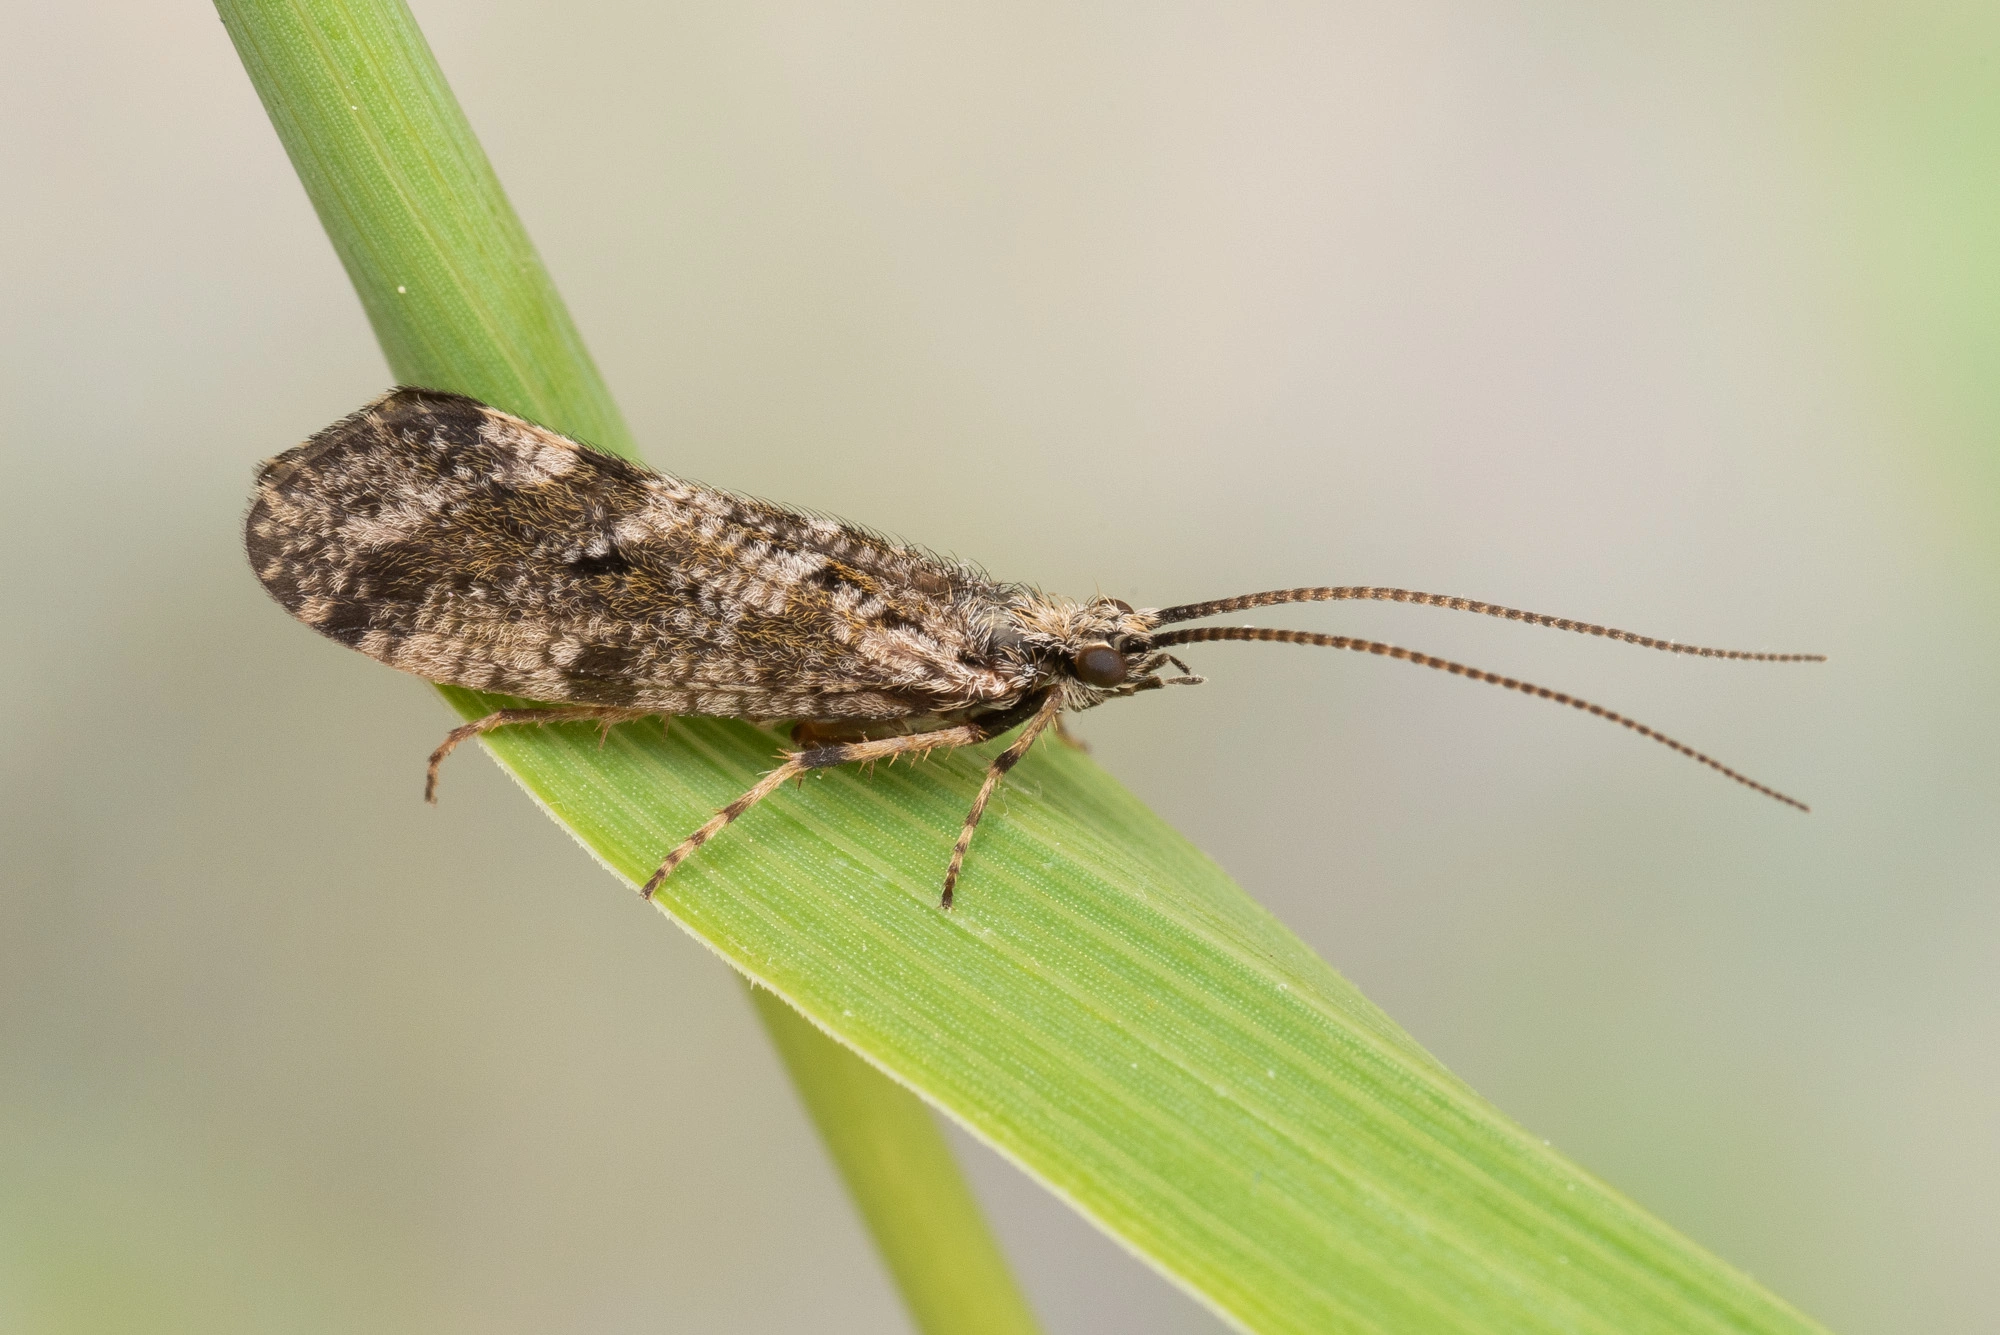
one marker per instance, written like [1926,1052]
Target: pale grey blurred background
[1684,320]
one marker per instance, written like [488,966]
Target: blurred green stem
[900,1168]
[460,301]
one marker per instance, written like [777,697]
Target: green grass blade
[453,287]
[896,1162]
[1108,1010]
[460,300]
[1104,1007]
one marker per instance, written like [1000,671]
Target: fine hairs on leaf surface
[1107,1009]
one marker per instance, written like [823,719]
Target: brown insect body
[462,544]
[470,547]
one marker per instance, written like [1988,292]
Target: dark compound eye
[1122,606]
[1099,665]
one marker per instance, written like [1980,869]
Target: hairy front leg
[1049,714]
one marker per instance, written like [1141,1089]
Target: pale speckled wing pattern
[465,545]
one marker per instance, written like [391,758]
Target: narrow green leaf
[452,285]
[1104,1007]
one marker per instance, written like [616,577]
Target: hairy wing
[468,546]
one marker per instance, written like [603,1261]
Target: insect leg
[765,786]
[797,763]
[1049,713]
[500,718]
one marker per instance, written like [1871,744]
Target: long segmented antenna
[1202,633]
[1195,611]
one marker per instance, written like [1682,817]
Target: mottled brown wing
[465,545]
